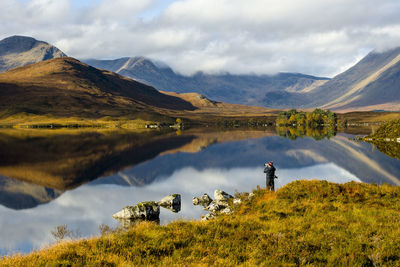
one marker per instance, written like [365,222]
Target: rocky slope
[372,84]
[239,89]
[17,51]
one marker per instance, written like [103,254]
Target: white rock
[237,201]
[221,195]
[149,210]
[226,211]
[171,200]
[204,200]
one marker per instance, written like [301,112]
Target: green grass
[312,223]
[390,129]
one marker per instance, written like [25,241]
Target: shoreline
[285,226]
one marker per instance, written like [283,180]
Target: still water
[70,191]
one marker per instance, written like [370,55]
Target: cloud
[255,36]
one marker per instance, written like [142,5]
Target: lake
[80,178]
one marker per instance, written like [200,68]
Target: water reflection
[163,164]
[17,195]
[318,133]
[88,206]
[392,149]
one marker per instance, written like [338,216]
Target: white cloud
[257,36]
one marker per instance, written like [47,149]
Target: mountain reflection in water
[152,165]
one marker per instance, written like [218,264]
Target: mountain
[21,195]
[238,89]
[372,84]
[65,87]
[17,51]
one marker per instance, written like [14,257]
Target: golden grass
[26,120]
[307,223]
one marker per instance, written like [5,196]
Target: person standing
[269,170]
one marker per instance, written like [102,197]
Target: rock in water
[148,210]
[171,200]
[221,195]
[204,200]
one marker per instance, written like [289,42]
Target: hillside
[65,87]
[313,223]
[229,88]
[372,84]
[18,51]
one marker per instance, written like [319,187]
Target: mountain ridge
[66,87]
[373,83]
[17,51]
[243,89]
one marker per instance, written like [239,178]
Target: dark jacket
[270,171]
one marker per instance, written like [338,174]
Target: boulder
[148,210]
[216,206]
[237,201]
[221,195]
[227,210]
[204,200]
[171,200]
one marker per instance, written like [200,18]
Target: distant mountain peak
[17,51]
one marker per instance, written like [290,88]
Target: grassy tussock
[313,223]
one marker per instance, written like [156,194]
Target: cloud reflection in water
[90,205]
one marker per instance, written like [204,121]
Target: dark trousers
[270,184]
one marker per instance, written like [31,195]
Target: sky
[316,37]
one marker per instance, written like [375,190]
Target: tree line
[316,118]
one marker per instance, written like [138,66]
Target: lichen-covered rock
[204,200]
[217,205]
[171,200]
[226,211]
[221,195]
[149,210]
[237,201]
[196,201]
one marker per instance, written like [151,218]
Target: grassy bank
[305,222]
[390,129]
[26,120]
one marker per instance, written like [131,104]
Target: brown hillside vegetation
[210,110]
[305,223]
[65,87]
